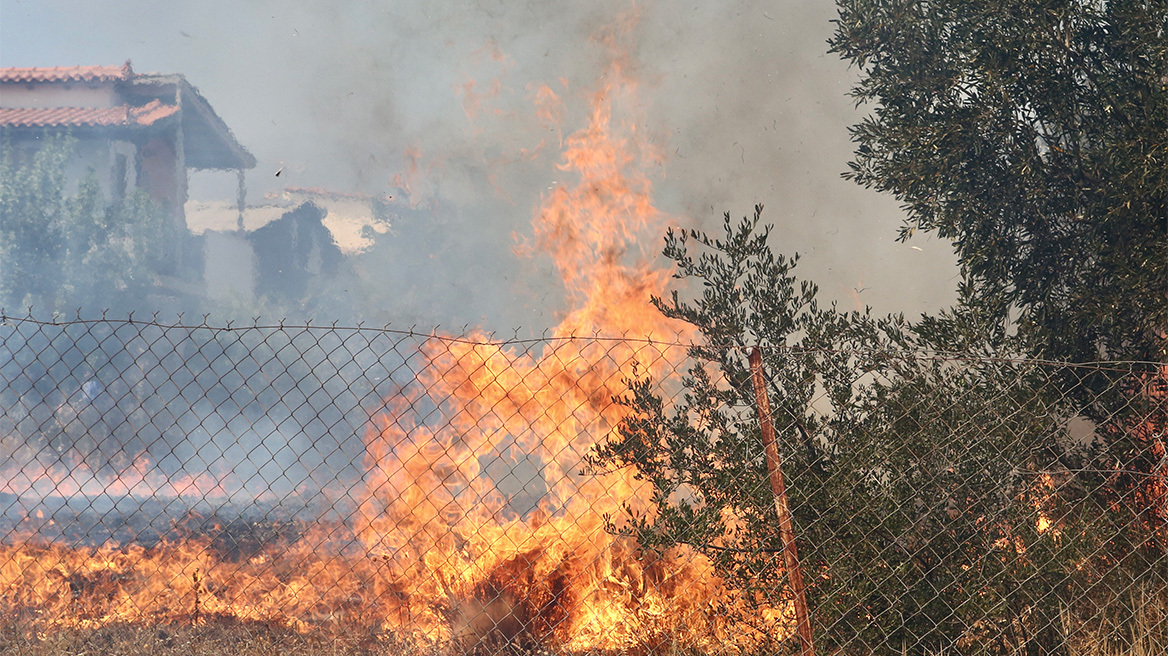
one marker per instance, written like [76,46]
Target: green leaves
[917,460]
[66,251]
[33,215]
[1032,135]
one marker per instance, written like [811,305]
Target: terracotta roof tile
[153,111]
[68,74]
[123,115]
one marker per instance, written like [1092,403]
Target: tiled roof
[147,114]
[68,74]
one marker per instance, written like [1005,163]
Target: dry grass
[215,638]
[1139,630]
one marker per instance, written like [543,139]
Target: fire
[444,528]
[434,552]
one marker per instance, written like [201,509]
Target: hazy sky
[741,98]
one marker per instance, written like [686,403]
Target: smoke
[272,418]
[742,101]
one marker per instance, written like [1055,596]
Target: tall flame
[443,525]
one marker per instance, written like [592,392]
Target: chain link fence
[253,489]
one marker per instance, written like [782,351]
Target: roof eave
[198,114]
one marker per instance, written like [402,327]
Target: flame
[473,100]
[549,107]
[1044,523]
[442,526]
[434,552]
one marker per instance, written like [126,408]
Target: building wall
[228,268]
[159,171]
[112,161]
[148,155]
[293,251]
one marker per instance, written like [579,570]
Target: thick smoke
[743,101]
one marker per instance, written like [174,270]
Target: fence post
[779,489]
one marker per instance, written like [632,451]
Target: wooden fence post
[779,490]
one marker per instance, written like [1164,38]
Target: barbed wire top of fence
[467,335]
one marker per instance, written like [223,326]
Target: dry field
[1143,634]
[214,638]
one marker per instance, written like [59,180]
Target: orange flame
[442,525]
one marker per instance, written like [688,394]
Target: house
[275,256]
[144,131]
[138,131]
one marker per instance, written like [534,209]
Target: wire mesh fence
[378,491]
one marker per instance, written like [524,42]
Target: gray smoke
[742,98]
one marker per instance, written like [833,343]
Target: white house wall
[229,268]
[102,158]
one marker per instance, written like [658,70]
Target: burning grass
[431,558]
[202,596]
[431,552]
[327,589]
